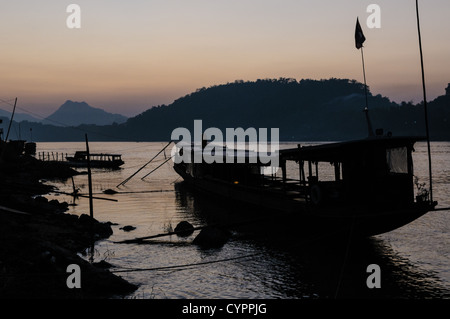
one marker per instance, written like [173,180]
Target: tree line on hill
[305,110]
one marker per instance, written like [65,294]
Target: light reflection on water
[414,259]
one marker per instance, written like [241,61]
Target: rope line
[158,166]
[130,177]
[185,266]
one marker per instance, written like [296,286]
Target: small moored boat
[97,160]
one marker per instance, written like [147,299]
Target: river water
[414,260]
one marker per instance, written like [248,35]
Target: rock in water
[184,229]
[91,224]
[212,237]
[109,191]
[128,228]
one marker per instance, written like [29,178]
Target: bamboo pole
[140,239]
[157,167]
[127,179]
[11,120]
[425,104]
[91,206]
[86,196]
[249,221]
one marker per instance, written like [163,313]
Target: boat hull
[362,220]
[94,164]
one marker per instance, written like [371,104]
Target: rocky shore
[38,240]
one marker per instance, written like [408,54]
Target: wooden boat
[97,160]
[366,185]
[369,191]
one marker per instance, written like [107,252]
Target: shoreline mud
[38,240]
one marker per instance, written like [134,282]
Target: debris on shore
[38,240]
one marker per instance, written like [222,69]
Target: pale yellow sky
[131,55]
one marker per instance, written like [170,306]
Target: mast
[425,103]
[10,121]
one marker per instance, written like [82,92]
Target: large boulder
[91,224]
[184,229]
[212,237]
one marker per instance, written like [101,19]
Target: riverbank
[38,240]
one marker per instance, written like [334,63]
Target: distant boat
[99,160]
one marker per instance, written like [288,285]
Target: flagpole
[359,38]
[366,109]
[365,84]
[425,103]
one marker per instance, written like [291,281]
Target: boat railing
[52,156]
[291,187]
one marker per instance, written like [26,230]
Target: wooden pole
[425,103]
[91,207]
[11,120]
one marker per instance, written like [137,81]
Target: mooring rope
[158,167]
[185,266]
[127,179]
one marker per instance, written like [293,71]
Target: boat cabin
[82,156]
[375,170]
[100,160]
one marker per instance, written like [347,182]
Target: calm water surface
[414,259]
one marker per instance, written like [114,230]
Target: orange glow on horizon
[150,53]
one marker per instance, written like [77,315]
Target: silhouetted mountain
[302,110]
[305,110]
[19,117]
[77,113]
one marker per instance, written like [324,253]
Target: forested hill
[303,110]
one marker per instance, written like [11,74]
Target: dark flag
[359,35]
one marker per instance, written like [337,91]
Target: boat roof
[333,151]
[338,150]
[231,155]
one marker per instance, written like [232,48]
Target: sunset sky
[131,55]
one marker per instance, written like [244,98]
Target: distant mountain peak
[73,102]
[73,113]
